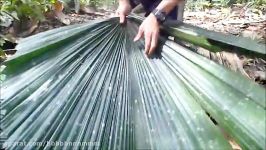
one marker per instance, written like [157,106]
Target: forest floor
[239,20]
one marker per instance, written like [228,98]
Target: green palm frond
[92,83]
[211,40]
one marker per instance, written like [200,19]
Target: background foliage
[201,4]
[31,9]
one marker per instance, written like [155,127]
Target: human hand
[123,10]
[150,29]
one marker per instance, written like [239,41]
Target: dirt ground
[73,19]
[238,20]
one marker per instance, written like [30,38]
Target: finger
[122,17]
[139,34]
[154,42]
[148,39]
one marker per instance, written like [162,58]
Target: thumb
[122,17]
[139,35]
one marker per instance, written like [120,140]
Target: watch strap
[160,15]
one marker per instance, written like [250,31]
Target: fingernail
[147,55]
[146,52]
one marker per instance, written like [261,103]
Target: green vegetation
[22,14]
[26,9]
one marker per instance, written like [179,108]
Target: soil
[73,18]
[239,20]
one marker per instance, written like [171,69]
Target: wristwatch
[160,15]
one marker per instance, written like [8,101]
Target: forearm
[167,5]
[124,2]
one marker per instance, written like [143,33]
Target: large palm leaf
[211,40]
[91,83]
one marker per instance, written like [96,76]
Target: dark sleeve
[133,3]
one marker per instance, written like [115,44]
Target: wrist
[125,5]
[153,19]
[167,5]
[159,15]
[124,2]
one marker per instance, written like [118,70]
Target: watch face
[161,16]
